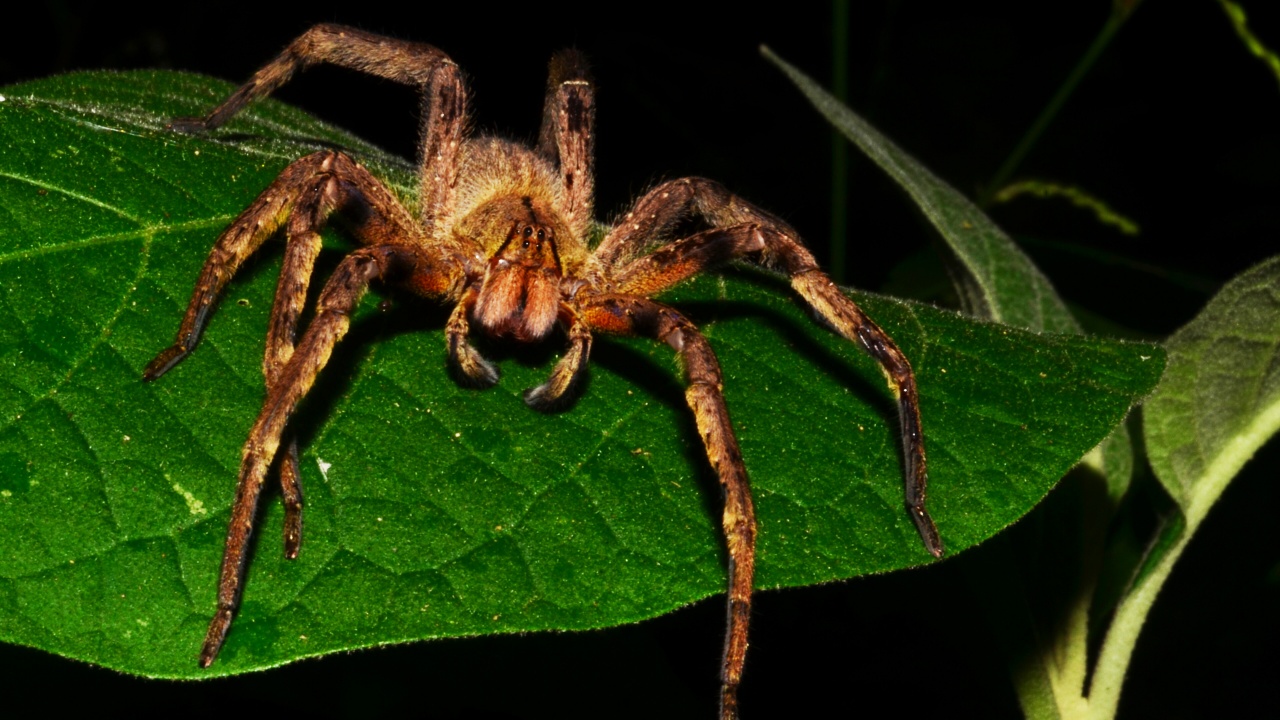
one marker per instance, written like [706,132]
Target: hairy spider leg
[687,257]
[565,378]
[567,136]
[309,191]
[304,193]
[240,240]
[302,247]
[851,323]
[631,315]
[742,230]
[341,294]
[419,65]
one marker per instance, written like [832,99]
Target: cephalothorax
[502,234]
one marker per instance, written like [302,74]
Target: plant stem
[1120,11]
[839,145]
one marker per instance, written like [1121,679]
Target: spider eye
[541,234]
[526,244]
[528,231]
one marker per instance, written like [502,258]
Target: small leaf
[433,510]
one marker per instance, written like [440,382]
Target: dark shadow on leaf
[662,381]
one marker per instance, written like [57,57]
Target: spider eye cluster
[529,232]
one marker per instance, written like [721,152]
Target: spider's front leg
[632,315]
[332,320]
[473,370]
[741,230]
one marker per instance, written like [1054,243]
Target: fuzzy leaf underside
[1220,397]
[432,510]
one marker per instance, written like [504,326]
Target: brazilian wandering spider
[502,234]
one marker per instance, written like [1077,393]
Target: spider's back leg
[444,98]
[632,315]
[302,198]
[398,254]
[332,190]
[567,136]
[742,230]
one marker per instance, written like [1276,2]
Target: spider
[502,232]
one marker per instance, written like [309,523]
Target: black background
[1176,126]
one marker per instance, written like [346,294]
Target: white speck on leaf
[193,504]
[324,468]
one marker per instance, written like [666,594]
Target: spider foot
[928,531]
[546,399]
[216,636]
[292,533]
[470,369]
[291,494]
[164,362]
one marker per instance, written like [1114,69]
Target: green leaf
[432,510]
[1220,397]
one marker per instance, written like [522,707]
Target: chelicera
[502,233]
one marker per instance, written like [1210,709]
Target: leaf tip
[771,56]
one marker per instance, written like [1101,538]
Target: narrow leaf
[1009,287]
[998,281]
